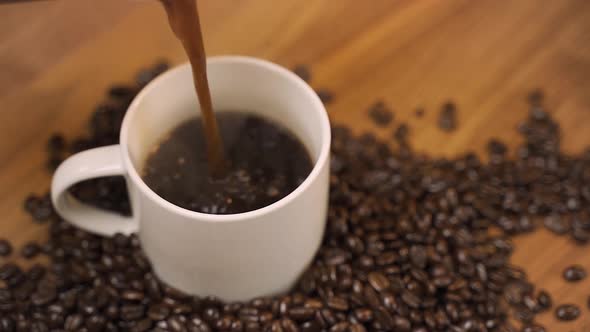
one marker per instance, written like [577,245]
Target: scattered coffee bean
[380,114]
[161,66]
[535,97]
[5,248]
[326,96]
[447,119]
[40,208]
[574,273]
[401,133]
[495,147]
[30,250]
[419,112]
[567,312]
[123,92]
[146,75]
[303,72]
[56,143]
[544,300]
[31,203]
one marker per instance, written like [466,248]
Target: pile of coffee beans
[412,244]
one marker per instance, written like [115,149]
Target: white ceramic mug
[235,257]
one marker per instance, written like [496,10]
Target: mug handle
[85,165]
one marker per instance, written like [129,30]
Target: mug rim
[319,164]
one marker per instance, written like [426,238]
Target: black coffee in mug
[267,162]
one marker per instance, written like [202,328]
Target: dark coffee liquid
[268,163]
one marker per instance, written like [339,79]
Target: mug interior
[236,84]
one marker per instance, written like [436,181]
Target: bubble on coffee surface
[400,225]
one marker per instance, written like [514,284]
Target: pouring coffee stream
[184,20]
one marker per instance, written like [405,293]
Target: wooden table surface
[57,58]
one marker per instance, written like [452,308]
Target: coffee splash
[183,17]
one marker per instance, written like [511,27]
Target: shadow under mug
[235,257]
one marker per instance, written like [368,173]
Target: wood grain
[57,58]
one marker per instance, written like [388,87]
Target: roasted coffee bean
[544,300]
[131,312]
[418,256]
[496,147]
[74,322]
[337,303]
[152,286]
[401,133]
[8,271]
[447,119]
[303,72]
[31,203]
[30,250]
[326,96]
[411,299]
[378,281]
[535,97]
[36,271]
[401,324]
[580,235]
[380,114]
[224,323]
[196,324]
[363,315]
[95,323]
[530,303]
[121,92]
[524,315]
[5,248]
[556,224]
[567,312]
[211,314]
[384,319]
[288,325]
[7,324]
[145,76]
[419,112]
[43,296]
[158,312]
[176,324]
[40,208]
[357,328]
[39,326]
[131,295]
[532,328]
[56,143]
[574,273]
[301,313]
